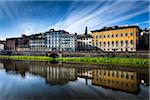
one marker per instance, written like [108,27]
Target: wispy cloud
[26,17]
[101,14]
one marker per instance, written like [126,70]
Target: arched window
[100,36]
[112,43]
[112,35]
[131,33]
[131,42]
[96,36]
[104,44]
[121,35]
[100,43]
[116,35]
[126,42]
[116,43]
[121,43]
[126,34]
[104,36]
[108,43]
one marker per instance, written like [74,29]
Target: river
[29,80]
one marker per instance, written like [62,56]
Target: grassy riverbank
[33,58]
[91,60]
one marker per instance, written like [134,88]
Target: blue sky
[28,17]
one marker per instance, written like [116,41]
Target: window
[116,35]
[96,43]
[100,73]
[96,36]
[136,33]
[126,34]
[131,33]
[104,36]
[100,43]
[116,43]
[127,76]
[112,43]
[104,43]
[108,36]
[100,36]
[112,35]
[126,42]
[108,73]
[108,43]
[121,35]
[121,43]
[132,77]
[122,75]
[131,42]
[117,74]
[104,73]
[113,74]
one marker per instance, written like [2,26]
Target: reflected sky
[14,86]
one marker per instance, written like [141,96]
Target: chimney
[86,30]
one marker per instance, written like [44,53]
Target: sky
[30,17]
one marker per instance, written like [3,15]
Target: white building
[38,43]
[1,46]
[53,39]
[84,41]
[68,42]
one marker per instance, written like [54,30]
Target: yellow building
[117,38]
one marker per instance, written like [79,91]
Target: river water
[28,80]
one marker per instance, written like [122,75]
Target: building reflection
[115,79]
[55,75]
[1,66]
[61,73]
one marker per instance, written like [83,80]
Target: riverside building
[2,45]
[84,42]
[68,42]
[38,42]
[117,38]
[53,39]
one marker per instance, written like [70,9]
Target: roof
[114,28]
[84,36]
[52,30]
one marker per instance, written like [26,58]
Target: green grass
[33,58]
[109,61]
[90,60]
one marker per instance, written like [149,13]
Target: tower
[86,30]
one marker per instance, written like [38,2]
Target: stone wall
[139,54]
[143,54]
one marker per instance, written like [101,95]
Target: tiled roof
[114,28]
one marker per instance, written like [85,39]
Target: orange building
[117,38]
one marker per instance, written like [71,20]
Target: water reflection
[128,80]
[119,80]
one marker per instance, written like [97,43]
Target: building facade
[53,39]
[144,39]
[23,43]
[2,45]
[68,42]
[123,38]
[38,43]
[11,44]
[84,41]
